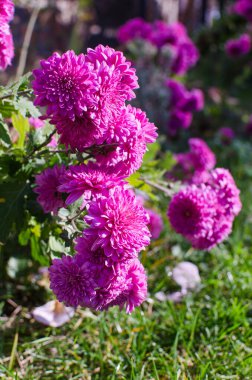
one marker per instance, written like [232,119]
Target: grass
[206,336]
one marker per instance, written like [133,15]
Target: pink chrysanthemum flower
[135,287]
[192,210]
[71,281]
[47,188]
[238,47]
[117,79]
[6,45]
[186,57]
[6,10]
[119,224]
[201,156]
[156,224]
[227,192]
[65,85]
[88,181]
[148,130]
[134,29]
[194,166]
[81,133]
[129,133]
[221,228]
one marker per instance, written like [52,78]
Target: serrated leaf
[4,134]
[26,107]
[21,124]
[56,245]
[21,84]
[6,108]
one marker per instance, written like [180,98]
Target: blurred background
[72,24]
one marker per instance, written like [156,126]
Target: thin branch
[11,94]
[168,192]
[27,40]
[38,147]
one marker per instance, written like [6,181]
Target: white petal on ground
[53,313]
[186,275]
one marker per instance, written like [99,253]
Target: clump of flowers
[238,47]
[204,213]
[182,103]
[6,40]
[85,98]
[173,37]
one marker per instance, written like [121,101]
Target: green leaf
[151,153]
[56,245]
[26,107]
[21,85]
[168,161]
[4,134]
[24,237]
[21,124]
[6,108]
[36,252]
[134,180]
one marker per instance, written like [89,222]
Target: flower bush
[82,183]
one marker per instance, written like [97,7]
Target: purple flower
[134,291]
[191,211]
[47,188]
[221,228]
[148,129]
[65,85]
[119,224]
[71,281]
[238,47]
[88,181]
[163,33]
[201,156]
[178,93]
[156,224]
[194,166]
[117,79]
[179,119]
[194,101]
[187,56]
[6,11]
[227,192]
[196,214]
[81,133]
[129,134]
[226,134]
[204,214]
[243,8]
[134,29]
[6,45]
